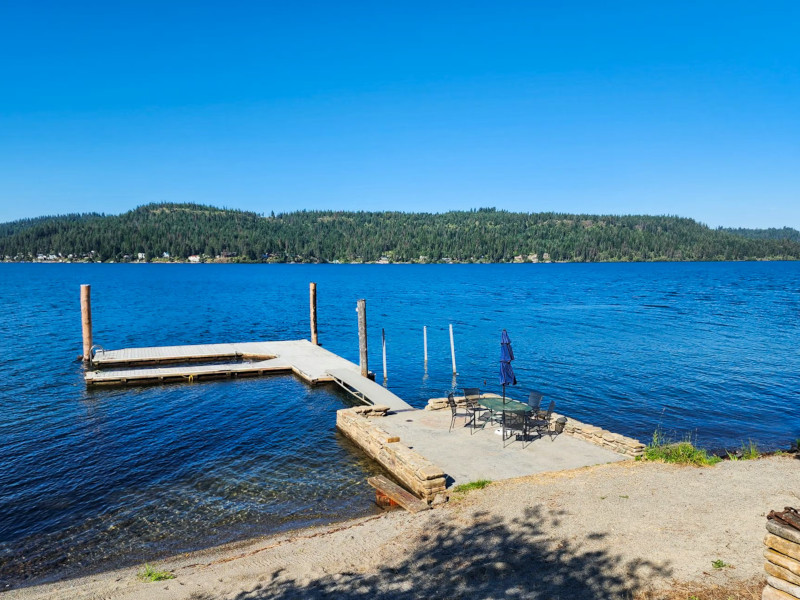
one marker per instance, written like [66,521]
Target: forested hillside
[182,230]
[784,233]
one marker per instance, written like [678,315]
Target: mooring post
[362,337]
[86,321]
[312,293]
[425,344]
[383,339]
[453,350]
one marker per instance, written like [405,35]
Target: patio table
[496,405]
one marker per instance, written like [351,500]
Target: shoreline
[604,531]
[452,262]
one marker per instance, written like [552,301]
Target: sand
[597,532]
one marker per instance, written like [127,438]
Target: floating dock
[171,364]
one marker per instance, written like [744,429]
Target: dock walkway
[313,364]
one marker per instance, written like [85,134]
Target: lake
[91,479]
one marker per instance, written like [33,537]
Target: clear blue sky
[688,108]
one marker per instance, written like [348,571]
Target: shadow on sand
[487,559]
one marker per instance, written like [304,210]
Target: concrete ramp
[367,390]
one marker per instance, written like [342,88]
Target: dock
[172,364]
[420,449]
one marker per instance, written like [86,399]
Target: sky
[676,108]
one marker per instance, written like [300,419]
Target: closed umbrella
[506,356]
[506,372]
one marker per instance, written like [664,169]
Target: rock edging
[782,565]
[410,468]
[603,437]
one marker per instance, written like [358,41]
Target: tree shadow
[486,559]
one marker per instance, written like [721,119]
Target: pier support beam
[362,337]
[86,321]
[312,293]
[425,345]
[383,341]
[453,350]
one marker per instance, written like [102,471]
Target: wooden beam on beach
[86,321]
[312,292]
[388,493]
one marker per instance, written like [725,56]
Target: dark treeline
[773,233]
[488,235]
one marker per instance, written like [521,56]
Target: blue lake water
[96,478]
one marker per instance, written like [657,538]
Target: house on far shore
[194,258]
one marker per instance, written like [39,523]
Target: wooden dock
[171,364]
[365,389]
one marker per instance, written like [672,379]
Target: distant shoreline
[337,263]
[198,233]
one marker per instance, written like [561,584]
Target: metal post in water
[383,339]
[86,321]
[453,350]
[425,344]
[362,337]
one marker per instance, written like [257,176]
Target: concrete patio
[466,456]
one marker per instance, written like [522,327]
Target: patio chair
[478,412]
[451,402]
[514,424]
[541,422]
[535,402]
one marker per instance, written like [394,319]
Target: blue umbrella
[506,356]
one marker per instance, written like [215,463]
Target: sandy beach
[600,532]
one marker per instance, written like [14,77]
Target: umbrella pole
[503,415]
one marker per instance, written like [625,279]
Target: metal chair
[535,401]
[514,424]
[478,412]
[451,402]
[541,422]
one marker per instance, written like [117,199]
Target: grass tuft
[149,573]
[662,449]
[472,485]
[750,450]
[719,564]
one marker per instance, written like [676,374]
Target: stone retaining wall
[782,565]
[602,437]
[596,435]
[418,474]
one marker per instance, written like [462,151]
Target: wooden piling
[86,321]
[312,292]
[425,344]
[383,340]
[362,337]
[453,350]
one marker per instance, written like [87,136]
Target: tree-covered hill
[773,233]
[181,230]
